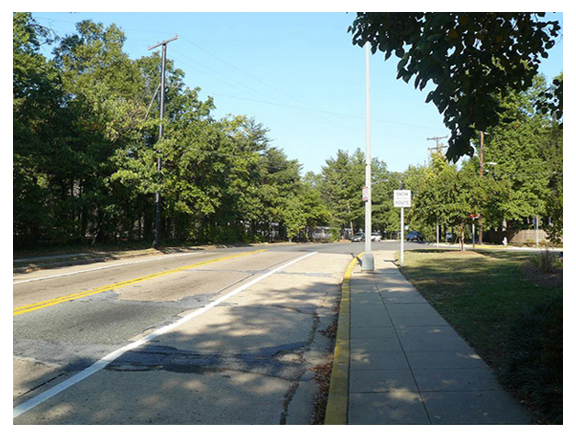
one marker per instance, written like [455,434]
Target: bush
[546,261]
[533,364]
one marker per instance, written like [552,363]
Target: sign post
[402,199]
[473,217]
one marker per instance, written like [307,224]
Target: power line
[312,107]
[269,102]
[247,74]
[309,108]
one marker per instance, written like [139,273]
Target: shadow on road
[242,362]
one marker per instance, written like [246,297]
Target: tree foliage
[86,146]
[472,59]
[85,143]
[522,179]
[341,182]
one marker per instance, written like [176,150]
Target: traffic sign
[402,198]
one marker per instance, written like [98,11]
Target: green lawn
[508,310]
[479,293]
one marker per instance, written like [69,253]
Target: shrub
[533,363]
[546,261]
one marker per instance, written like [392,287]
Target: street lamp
[368,259]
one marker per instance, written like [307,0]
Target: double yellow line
[69,297]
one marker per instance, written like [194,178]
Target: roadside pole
[474,217]
[402,199]
[536,229]
[157,197]
[402,236]
[368,258]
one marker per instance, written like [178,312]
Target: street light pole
[368,259]
[160,132]
[481,154]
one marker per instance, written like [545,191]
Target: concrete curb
[30,264]
[337,405]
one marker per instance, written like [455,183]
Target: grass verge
[487,297]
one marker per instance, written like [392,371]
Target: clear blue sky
[296,73]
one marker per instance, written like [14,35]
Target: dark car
[414,236]
[358,237]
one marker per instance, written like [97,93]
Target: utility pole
[438,149]
[160,132]
[439,145]
[368,259]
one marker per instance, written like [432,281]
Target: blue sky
[296,73]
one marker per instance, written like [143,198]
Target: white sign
[402,198]
[365,194]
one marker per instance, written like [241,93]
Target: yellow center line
[69,297]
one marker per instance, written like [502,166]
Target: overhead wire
[235,83]
[311,110]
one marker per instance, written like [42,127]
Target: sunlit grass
[479,294]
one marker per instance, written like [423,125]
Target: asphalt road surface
[226,336]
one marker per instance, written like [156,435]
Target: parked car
[414,236]
[450,237]
[376,236]
[358,237]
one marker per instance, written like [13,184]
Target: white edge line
[161,257]
[103,362]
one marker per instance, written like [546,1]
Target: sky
[297,74]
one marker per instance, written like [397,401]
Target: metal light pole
[368,259]
[160,132]
[481,154]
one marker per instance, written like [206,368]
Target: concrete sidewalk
[408,366]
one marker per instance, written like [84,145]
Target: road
[226,336]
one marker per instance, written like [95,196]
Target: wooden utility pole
[439,145]
[438,149]
[160,132]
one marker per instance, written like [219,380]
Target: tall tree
[342,182]
[38,120]
[445,196]
[519,156]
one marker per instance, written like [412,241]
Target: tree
[36,115]
[472,59]
[445,196]
[521,151]
[341,186]
[104,116]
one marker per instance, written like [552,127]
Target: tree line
[520,179]
[85,145]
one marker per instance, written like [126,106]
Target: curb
[76,260]
[337,405]
[31,264]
